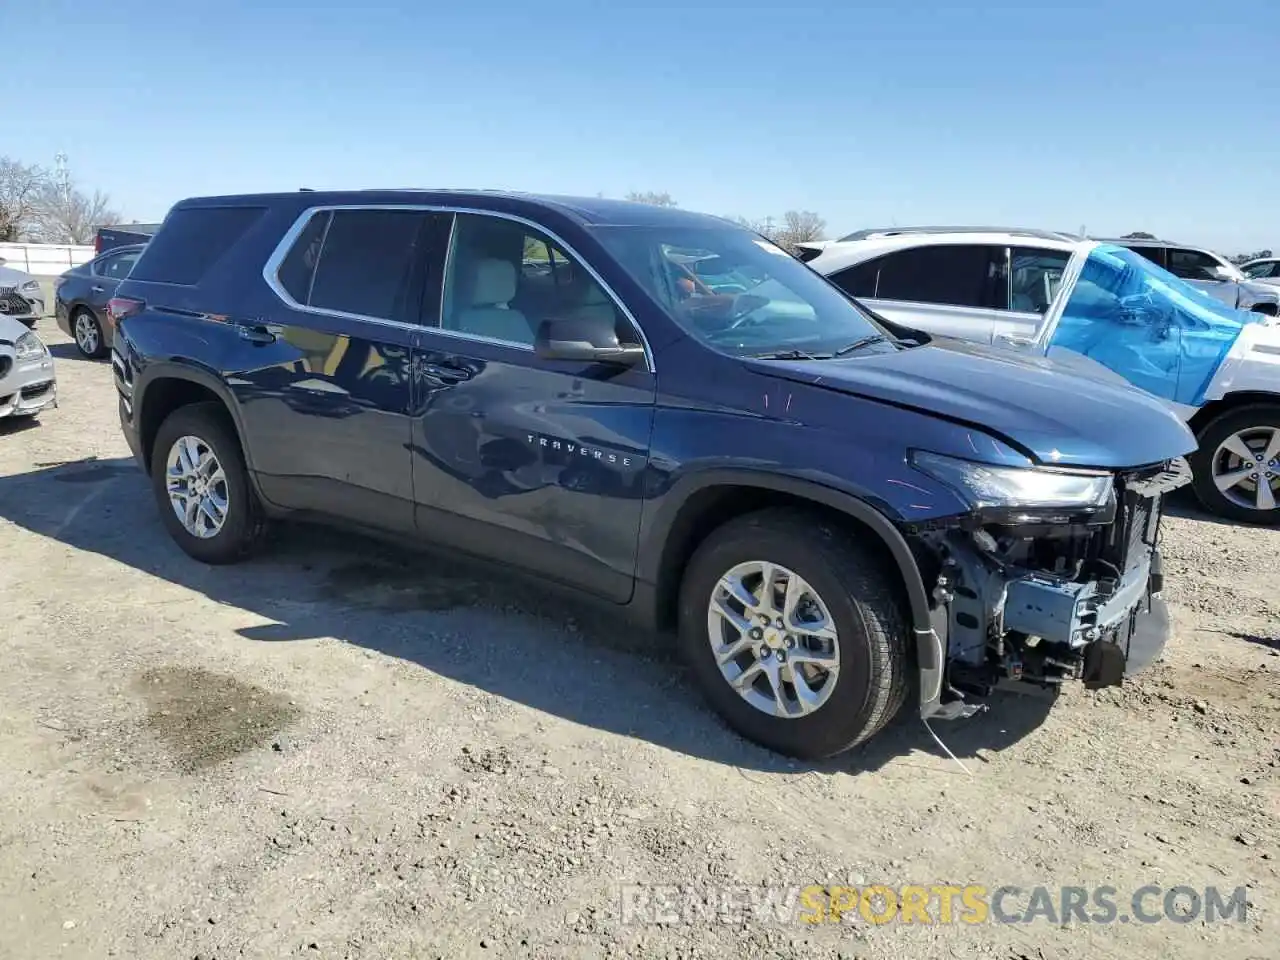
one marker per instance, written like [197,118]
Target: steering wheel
[730,311]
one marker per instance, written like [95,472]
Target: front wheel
[201,486]
[1236,470]
[795,632]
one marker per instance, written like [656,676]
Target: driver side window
[504,279]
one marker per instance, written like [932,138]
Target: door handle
[255,333]
[96,289]
[445,372]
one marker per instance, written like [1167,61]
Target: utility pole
[63,175]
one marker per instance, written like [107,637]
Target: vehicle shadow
[462,620]
[69,351]
[12,425]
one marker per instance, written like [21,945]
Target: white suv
[1095,304]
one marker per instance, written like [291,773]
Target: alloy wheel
[1246,468]
[86,334]
[197,487]
[773,639]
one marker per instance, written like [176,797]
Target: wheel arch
[168,386]
[702,502]
[1230,404]
[1266,307]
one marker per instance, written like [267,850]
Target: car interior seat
[488,312]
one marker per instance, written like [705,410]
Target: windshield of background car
[737,292]
[1138,319]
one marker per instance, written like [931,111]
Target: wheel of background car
[88,334]
[201,485]
[794,632]
[1236,470]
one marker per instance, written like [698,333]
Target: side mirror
[589,341]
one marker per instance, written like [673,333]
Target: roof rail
[906,231]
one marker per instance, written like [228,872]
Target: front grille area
[13,303]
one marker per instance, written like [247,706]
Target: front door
[325,379]
[537,463]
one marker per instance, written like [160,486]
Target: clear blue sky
[1138,115]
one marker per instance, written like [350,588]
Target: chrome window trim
[271,269]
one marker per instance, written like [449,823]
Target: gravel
[337,750]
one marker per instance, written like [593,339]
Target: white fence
[44,259]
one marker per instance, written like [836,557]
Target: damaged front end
[1053,575]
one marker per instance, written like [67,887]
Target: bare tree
[799,226]
[64,214]
[20,188]
[662,199]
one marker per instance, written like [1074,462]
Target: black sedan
[81,295]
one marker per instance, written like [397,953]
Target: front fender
[662,522]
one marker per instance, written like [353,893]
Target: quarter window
[962,275]
[504,279]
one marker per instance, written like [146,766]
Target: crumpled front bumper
[1129,614]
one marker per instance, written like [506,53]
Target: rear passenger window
[366,264]
[961,275]
[191,241]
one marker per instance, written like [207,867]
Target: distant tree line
[38,205]
[793,227]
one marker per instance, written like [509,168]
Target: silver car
[27,380]
[1209,271]
[20,295]
[1217,366]
[1262,270]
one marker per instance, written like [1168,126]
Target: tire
[89,340]
[862,601]
[243,522]
[1240,502]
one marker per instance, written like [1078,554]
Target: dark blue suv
[664,411]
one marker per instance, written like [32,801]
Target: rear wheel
[795,632]
[88,334]
[201,485]
[1236,470]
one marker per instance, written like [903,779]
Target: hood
[1036,404]
[11,329]
[9,277]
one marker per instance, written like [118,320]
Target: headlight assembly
[985,485]
[31,286]
[29,347]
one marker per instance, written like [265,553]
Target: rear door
[539,463]
[954,290]
[326,386]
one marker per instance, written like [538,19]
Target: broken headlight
[987,486]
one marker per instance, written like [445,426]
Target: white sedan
[27,381]
[20,295]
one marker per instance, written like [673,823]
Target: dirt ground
[340,751]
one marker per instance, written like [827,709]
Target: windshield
[1138,319]
[739,293]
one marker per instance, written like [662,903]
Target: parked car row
[27,381]
[668,413]
[1108,305]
